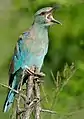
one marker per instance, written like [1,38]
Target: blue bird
[30,50]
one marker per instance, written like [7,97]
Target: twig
[3,85]
[66,82]
[32,102]
[60,90]
[19,96]
[29,90]
[37,106]
[22,95]
[33,93]
[53,78]
[44,94]
[64,114]
[48,111]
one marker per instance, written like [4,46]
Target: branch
[60,90]
[48,111]
[22,95]
[29,90]
[3,85]
[64,114]
[44,94]
[37,95]
[66,82]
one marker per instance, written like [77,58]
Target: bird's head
[44,16]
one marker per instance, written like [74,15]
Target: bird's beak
[55,21]
[50,16]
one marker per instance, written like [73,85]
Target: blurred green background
[66,45]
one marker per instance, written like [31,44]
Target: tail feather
[9,101]
[11,94]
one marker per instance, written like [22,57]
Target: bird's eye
[42,13]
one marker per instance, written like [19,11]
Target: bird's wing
[15,64]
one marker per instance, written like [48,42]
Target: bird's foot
[39,74]
[31,71]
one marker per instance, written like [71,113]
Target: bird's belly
[33,60]
[38,47]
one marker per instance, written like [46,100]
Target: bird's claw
[36,74]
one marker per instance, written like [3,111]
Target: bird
[30,50]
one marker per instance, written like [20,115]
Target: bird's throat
[40,31]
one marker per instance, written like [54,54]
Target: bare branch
[3,85]
[48,111]
[29,90]
[44,93]
[60,89]
[37,106]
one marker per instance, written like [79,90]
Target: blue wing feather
[15,71]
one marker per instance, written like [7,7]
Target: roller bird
[30,50]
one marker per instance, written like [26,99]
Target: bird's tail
[11,93]
[9,101]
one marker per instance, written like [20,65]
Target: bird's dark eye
[42,13]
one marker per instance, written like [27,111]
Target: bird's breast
[39,47]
